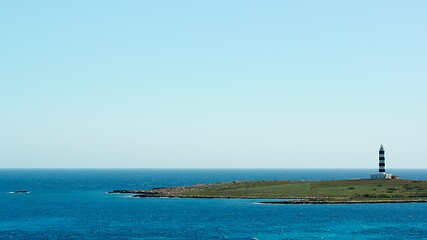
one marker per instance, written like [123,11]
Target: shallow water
[73,204]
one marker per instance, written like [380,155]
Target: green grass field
[342,190]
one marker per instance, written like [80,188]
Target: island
[300,192]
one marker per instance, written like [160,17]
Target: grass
[343,190]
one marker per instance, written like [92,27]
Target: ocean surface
[74,204]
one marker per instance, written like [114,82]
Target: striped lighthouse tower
[382,159]
[381,167]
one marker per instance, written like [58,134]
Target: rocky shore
[159,192]
[342,202]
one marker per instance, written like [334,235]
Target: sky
[212,84]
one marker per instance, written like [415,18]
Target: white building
[381,176]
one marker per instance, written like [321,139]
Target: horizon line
[196,168]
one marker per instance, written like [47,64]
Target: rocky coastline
[343,202]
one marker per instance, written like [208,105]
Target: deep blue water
[73,204]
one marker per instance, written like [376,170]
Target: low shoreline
[293,202]
[345,202]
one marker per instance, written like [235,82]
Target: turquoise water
[73,204]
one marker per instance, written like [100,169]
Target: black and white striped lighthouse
[381,168]
[382,159]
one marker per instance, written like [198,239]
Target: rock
[21,192]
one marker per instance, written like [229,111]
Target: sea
[74,204]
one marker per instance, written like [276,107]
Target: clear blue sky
[271,84]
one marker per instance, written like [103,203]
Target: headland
[305,192]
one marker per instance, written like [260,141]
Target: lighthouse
[381,167]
